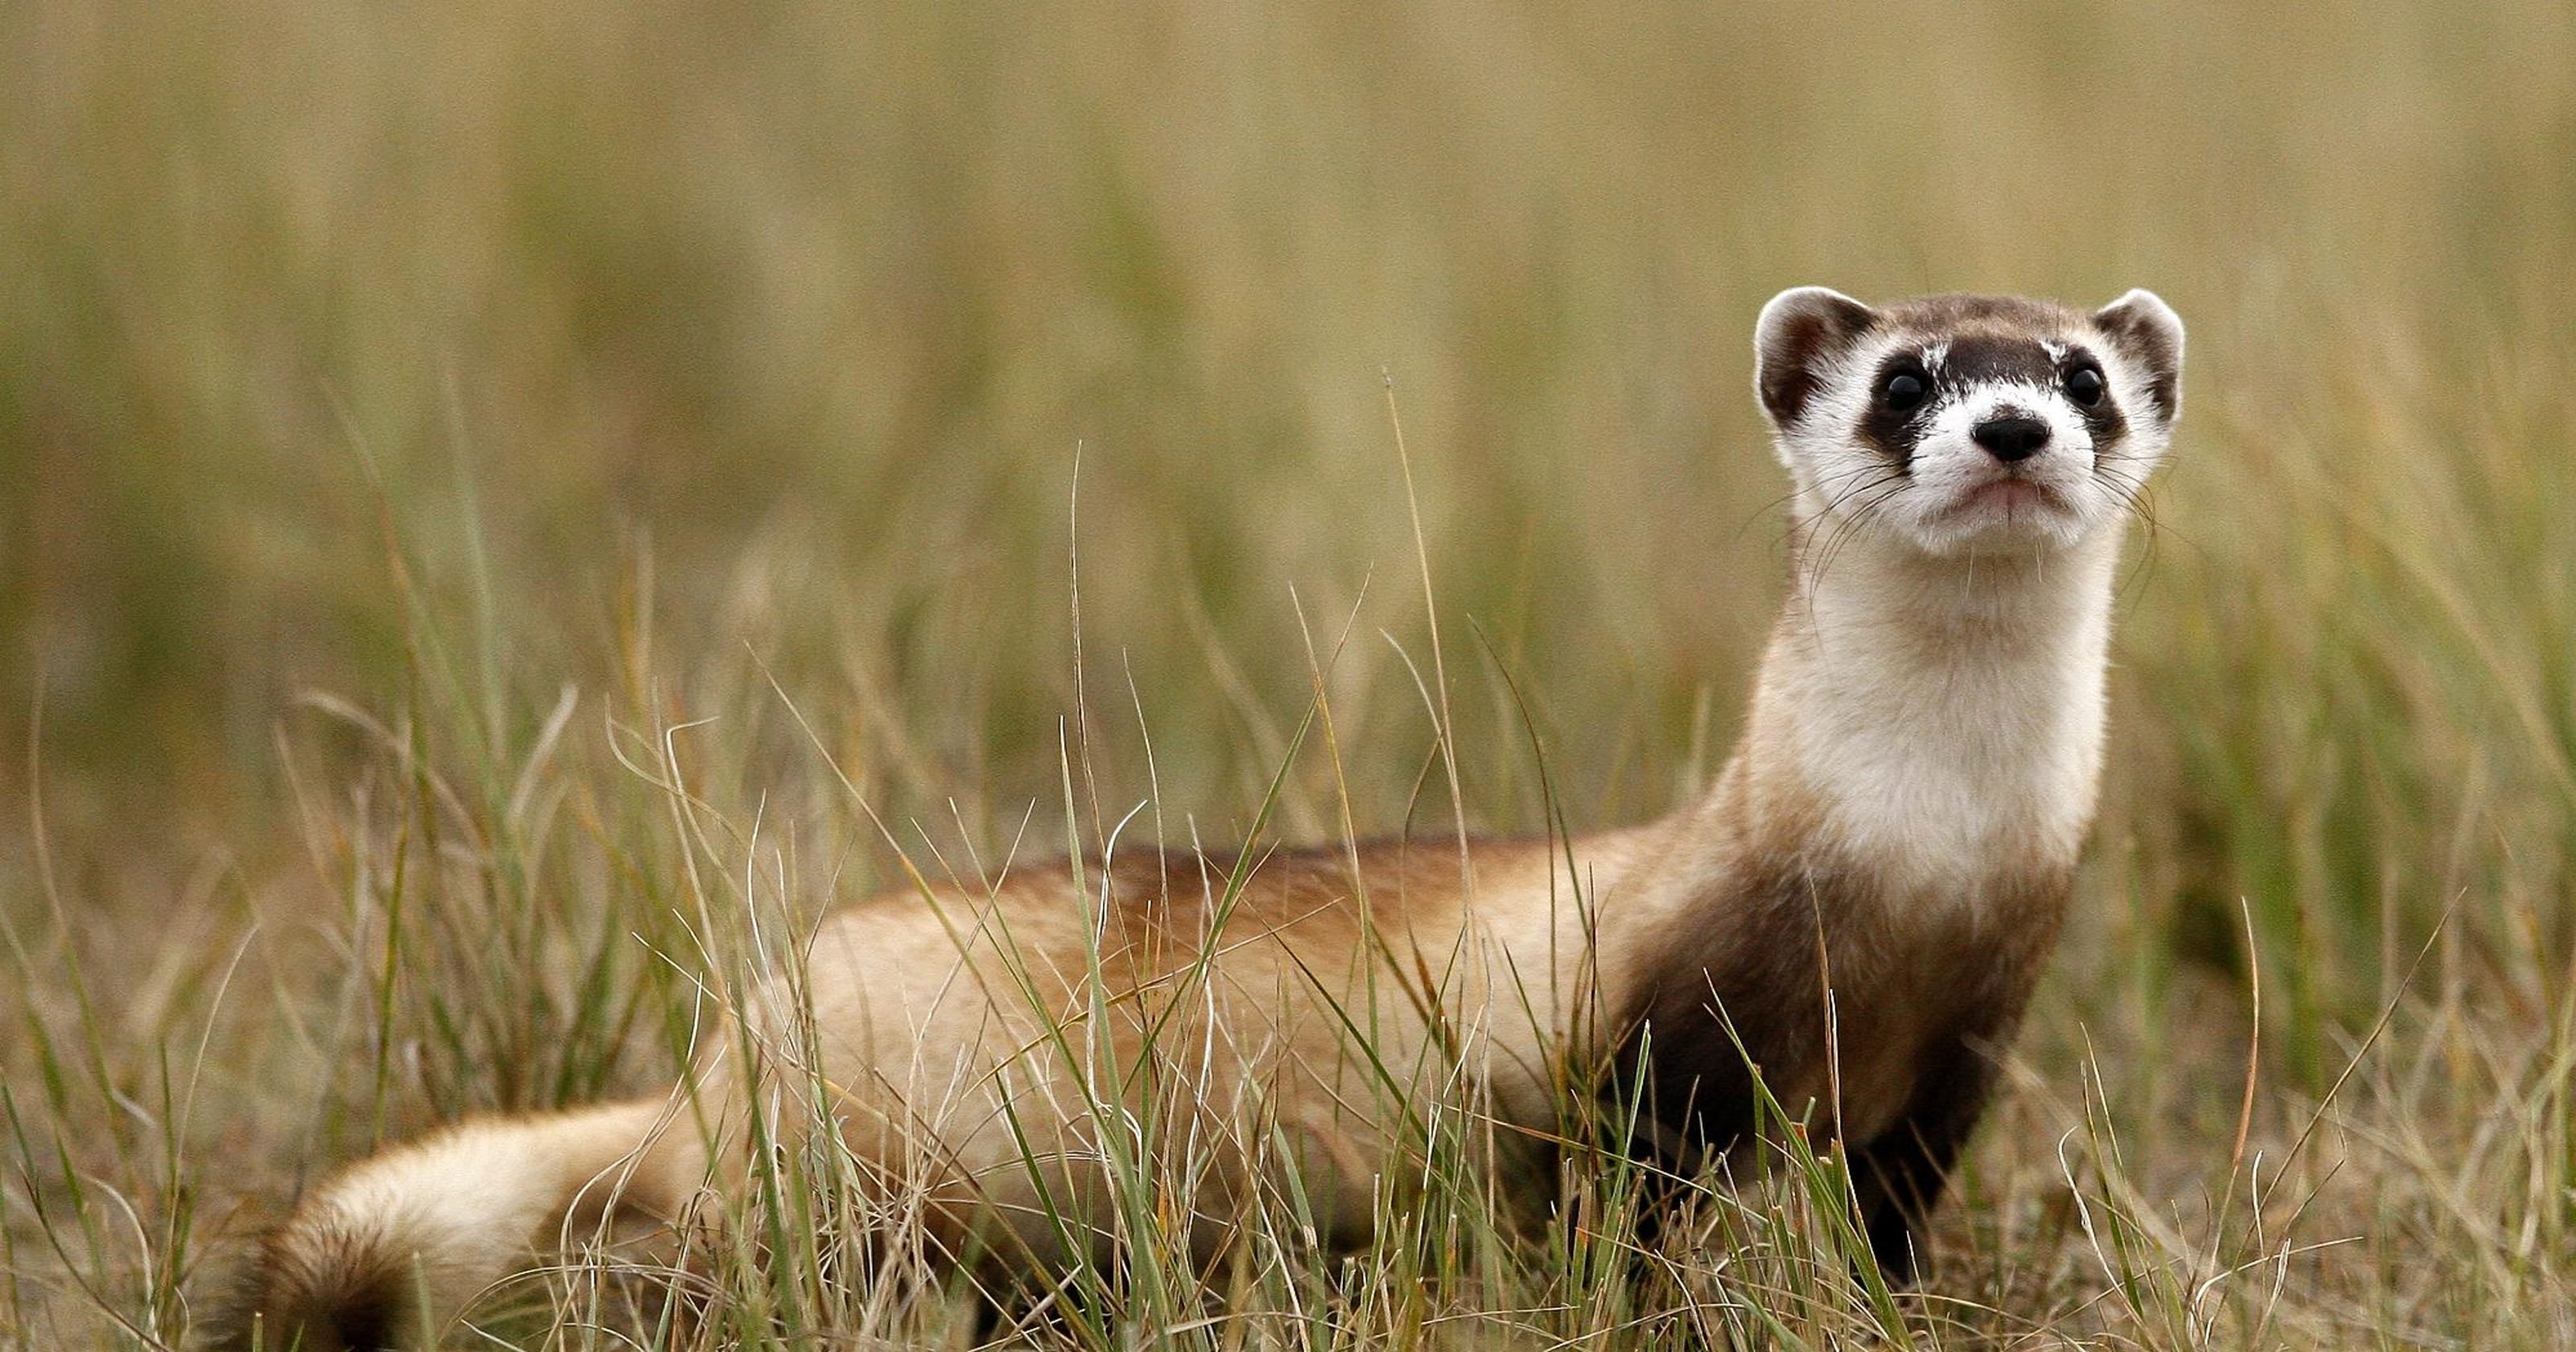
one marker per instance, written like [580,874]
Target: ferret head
[1966,425]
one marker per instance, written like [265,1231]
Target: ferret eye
[2084,386]
[1903,390]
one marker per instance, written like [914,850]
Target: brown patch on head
[1961,313]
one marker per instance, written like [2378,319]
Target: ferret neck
[1880,599]
[1935,721]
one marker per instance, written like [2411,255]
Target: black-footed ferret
[1899,826]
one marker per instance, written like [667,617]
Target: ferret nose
[2012,438]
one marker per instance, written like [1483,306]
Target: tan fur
[1892,842]
[454,1212]
[972,1021]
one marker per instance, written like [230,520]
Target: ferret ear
[1799,330]
[2148,332]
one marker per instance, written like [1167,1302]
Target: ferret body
[1859,906]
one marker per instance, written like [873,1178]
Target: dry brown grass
[451,361]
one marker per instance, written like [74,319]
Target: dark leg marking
[1901,1174]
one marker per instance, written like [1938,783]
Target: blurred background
[803,312]
[375,378]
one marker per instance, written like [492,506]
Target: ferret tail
[396,1244]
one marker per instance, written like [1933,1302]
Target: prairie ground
[494,500]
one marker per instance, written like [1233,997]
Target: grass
[440,446]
